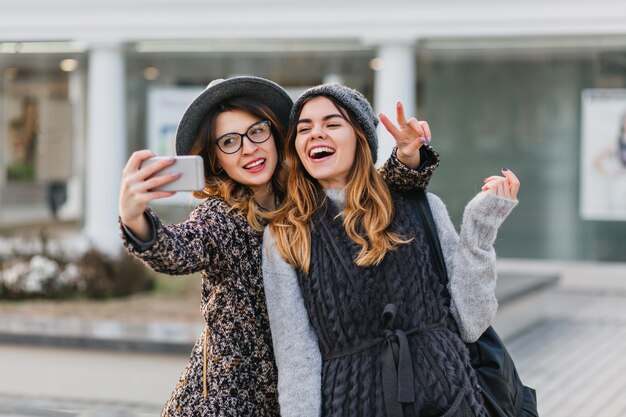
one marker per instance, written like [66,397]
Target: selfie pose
[361,323]
[237,126]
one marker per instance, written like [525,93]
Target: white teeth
[321,149]
[255,164]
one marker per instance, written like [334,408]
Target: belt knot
[398,386]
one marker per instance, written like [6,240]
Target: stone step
[154,337]
[520,298]
[521,301]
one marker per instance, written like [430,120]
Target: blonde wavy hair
[217,182]
[368,207]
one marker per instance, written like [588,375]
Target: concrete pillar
[73,207]
[106,145]
[395,80]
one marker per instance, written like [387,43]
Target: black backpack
[502,390]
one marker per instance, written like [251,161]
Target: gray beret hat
[264,91]
[354,101]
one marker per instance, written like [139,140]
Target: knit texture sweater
[363,317]
[241,375]
[470,260]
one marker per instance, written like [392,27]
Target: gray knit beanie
[356,104]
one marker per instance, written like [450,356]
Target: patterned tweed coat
[237,362]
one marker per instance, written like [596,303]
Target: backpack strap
[420,204]
[500,385]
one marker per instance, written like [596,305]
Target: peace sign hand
[409,135]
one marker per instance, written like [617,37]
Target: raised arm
[402,178]
[136,191]
[174,249]
[470,257]
[413,161]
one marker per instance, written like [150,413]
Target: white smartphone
[190,166]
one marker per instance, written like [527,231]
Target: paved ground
[91,380]
[575,359]
[44,381]
[20,406]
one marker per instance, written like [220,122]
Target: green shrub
[106,277]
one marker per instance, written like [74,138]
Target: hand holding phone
[146,178]
[190,168]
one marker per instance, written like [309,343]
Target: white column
[73,207]
[395,80]
[106,145]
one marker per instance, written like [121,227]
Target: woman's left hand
[410,135]
[506,186]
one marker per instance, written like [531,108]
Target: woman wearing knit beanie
[360,321]
[237,126]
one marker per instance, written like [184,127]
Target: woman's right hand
[410,135]
[136,186]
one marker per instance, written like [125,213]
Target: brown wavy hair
[217,182]
[368,208]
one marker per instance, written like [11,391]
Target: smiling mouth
[321,152]
[254,164]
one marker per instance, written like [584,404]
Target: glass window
[37,159]
[521,112]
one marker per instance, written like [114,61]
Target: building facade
[501,84]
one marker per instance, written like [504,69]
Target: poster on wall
[166,106]
[603,155]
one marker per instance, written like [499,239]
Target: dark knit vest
[384,331]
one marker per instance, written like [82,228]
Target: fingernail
[177,174]
[423,140]
[504,169]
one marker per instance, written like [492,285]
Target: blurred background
[537,86]
[501,83]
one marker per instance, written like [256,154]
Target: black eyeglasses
[257,133]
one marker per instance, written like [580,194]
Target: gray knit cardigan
[471,263]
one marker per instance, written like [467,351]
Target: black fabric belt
[397,371]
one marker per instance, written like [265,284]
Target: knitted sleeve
[471,259]
[399,177]
[187,247]
[297,354]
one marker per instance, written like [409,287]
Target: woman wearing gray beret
[362,324]
[237,126]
